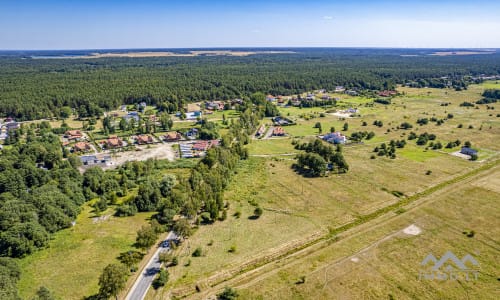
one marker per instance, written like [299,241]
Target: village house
[144,139]
[172,136]
[339,89]
[387,93]
[310,97]
[12,125]
[325,97]
[261,130]
[214,105]
[192,133]
[73,135]
[270,98]
[114,142]
[351,92]
[193,115]
[468,151]
[335,138]
[132,115]
[278,131]
[205,145]
[82,147]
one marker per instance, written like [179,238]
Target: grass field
[71,266]
[384,262]
[296,208]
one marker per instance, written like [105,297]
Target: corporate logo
[449,267]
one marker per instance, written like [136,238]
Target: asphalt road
[144,281]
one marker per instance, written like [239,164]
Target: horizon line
[259,47]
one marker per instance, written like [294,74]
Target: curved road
[144,281]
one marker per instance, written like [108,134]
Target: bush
[162,279]
[258,212]
[228,294]
[232,249]
[197,252]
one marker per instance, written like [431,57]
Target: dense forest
[42,190]
[39,88]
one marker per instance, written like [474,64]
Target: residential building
[278,131]
[335,138]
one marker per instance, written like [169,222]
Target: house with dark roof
[335,138]
[13,125]
[468,151]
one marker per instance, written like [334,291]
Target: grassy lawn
[387,260]
[494,84]
[271,146]
[71,266]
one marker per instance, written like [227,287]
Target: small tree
[258,212]
[197,252]
[43,293]
[346,126]
[162,279]
[112,280]
[228,294]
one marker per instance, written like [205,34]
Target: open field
[71,266]
[387,260]
[313,206]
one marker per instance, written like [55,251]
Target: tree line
[40,88]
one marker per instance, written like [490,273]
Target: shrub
[228,294]
[197,252]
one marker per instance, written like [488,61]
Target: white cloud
[327,18]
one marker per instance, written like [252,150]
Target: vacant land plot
[297,208]
[71,266]
[388,260]
[142,153]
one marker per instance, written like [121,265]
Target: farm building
[335,138]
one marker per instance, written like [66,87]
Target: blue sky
[106,24]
